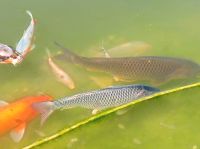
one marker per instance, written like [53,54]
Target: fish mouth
[151,89]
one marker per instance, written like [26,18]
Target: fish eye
[62,76]
[18,121]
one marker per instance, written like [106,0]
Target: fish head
[194,70]
[188,70]
[148,90]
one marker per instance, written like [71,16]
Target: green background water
[170,27]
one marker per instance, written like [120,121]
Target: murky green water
[170,27]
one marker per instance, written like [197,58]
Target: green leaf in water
[163,122]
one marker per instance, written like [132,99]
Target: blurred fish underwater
[25,45]
[96,100]
[14,117]
[60,74]
[133,48]
[155,69]
[145,51]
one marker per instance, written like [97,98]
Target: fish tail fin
[31,16]
[45,109]
[67,55]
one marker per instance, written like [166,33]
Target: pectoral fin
[116,78]
[3,103]
[106,54]
[94,111]
[17,133]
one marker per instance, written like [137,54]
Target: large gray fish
[97,100]
[144,68]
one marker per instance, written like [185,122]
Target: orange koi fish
[15,116]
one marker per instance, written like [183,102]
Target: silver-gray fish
[143,68]
[97,100]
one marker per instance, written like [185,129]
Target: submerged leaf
[148,118]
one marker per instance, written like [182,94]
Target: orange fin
[3,103]
[17,133]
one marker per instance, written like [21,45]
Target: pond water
[168,28]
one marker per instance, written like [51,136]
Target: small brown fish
[61,76]
[143,68]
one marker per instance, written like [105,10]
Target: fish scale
[97,99]
[144,68]
[105,98]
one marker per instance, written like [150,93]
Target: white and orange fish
[14,117]
[25,45]
[60,74]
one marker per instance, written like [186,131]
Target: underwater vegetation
[126,71]
[146,113]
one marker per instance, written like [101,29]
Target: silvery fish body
[105,98]
[25,44]
[26,41]
[98,99]
[143,68]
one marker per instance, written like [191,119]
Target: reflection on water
[82,26]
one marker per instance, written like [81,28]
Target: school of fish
[15,116]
